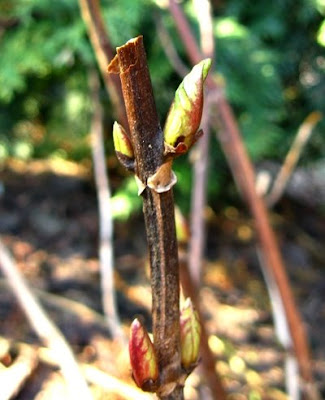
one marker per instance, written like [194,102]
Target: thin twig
[169,49]
[84,313]
[148,146]
[204,16]
[200,173]
[95,376]
[198,202]
[91,14]
[243,172]
[114,385]
[282,331]
[281,325]
[182,26]
[106,256]
[290,162]
[44,327]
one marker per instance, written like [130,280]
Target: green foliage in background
[270,55]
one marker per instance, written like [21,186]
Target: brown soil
[49,222]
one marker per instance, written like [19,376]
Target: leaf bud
[123,146]
[190,335]
[184,117]
[143,357]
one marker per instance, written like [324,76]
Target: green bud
[143,357]
[185,114]
[123,146]
[182,228]
[190,335]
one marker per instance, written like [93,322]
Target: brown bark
[148,146]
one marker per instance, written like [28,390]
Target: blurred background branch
[201,156]
[243,171]
[92,16]
[44,327]
[106,253]
[291,160]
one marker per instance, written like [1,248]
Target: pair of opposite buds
[143,358]
[182,123]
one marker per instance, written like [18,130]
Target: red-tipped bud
[184,117]
[190,334]
[142,357]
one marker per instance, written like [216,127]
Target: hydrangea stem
[148,145]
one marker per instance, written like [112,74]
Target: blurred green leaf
[271,55]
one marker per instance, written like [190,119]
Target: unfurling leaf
[184,117]
[123,146]
[190,335]
[142,357]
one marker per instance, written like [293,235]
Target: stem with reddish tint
[243,172]
[91,14]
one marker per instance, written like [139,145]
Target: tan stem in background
[45,328]
[106,256]
[91,14]
[201,163]
[243,171]
[290,162]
